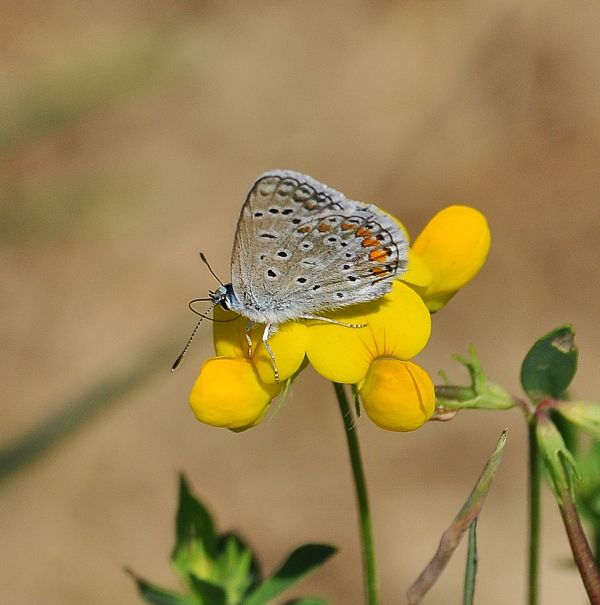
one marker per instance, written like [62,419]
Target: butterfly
[301,249]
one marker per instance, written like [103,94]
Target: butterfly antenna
[205,261]
[189,342]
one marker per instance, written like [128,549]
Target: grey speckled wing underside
[301,248]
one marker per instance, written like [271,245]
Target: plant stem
[596,531]
[366,528]
[581,549]
[534,515]
[471,569]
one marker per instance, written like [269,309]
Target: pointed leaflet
[207,592]
[300,563]
[160,596]
[452,536]
[196,544]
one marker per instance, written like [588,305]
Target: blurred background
[130,133]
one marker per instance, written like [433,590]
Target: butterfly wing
[302,247]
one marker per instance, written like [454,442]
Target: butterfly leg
[334,321]
[265,340]
[247,329]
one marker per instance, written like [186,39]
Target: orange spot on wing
[324,227]
[380,271]
[304,229]
[348,226]
[362,232]
[370,241]
[379,256]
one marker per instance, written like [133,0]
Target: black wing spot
[302,280]
[287,211]
[296,221]
[352,278]
[274,210]
[269,235]
[271,274]
[316,287]
[258,214]
[282,254]
[339,295]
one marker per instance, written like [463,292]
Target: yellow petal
[289,349]
[454,245]
[397,395]
[398,325]
[418,272]
[229,393]
[287,344]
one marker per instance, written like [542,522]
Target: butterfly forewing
[302,247]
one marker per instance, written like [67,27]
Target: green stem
[366,528]
[534,514]
[471,570]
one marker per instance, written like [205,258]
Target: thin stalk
[596,531]
[471,569]
[366,527]
[581,549]
[535,478]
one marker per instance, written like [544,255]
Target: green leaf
[452,536]
[207,592]
[302,561]
[236,568]
[159,596]
[550,365]
[196,545]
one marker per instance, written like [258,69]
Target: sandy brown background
[129,135]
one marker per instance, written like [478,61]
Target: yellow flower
[229,393]
[397,395]
[448,253]
[234,389]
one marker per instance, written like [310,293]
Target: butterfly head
[225,296]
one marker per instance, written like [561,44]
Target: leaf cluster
[221,569]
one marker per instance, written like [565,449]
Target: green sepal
[160,596]
[302,561]
[559,461]
[550,365]
[482,394]
[196,541]
[584,414]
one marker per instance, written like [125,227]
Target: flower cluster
[234,389]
